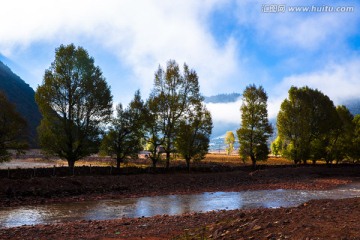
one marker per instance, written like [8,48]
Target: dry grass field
[30,161]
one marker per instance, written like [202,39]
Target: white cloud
[225,112]
[339,81]
[142,34]
[229,113]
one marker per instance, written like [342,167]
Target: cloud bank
[141,34]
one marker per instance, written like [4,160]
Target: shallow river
[170,205]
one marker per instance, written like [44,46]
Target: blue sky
[229,43]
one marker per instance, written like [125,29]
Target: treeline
[77,108]
[76,104]
[310,127]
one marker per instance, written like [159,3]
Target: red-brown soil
[320,219]
[323,219]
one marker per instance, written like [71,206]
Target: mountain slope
[23,96]
[223,98]
[353,106]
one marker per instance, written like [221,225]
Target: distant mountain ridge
[223,98]
[353,106]
[23,96]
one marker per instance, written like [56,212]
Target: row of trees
[310,127]
[76,104]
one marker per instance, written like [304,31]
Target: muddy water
[171,205]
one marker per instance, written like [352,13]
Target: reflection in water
[170,205]
[27,216]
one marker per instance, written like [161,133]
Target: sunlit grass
[210,158]
[235,159]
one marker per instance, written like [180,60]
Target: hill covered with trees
[23,96]
[222,98]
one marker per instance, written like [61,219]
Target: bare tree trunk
[71,164]
[253,160]
[118,162]
[188,164]
[167,160]
[154,161]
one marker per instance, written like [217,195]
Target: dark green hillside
[22,95]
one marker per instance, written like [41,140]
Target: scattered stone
[256,228]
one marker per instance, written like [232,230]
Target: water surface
[170,205]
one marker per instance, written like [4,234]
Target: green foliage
[126,131]
[75,102]
[355,147]
[153,129]
[340,140]
[229,141]
[276,146]
[193,137]
[174,93]
[306,121]
[12,129]
[255,128]
[22,96]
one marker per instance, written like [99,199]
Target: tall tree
[193,137]
[255,128]
[229,141]
[305,122]
[173,93]
[13,129]
[126,131]
[75,102]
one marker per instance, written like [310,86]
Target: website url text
[282,8]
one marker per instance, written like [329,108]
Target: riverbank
[318,219]
[15,192]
